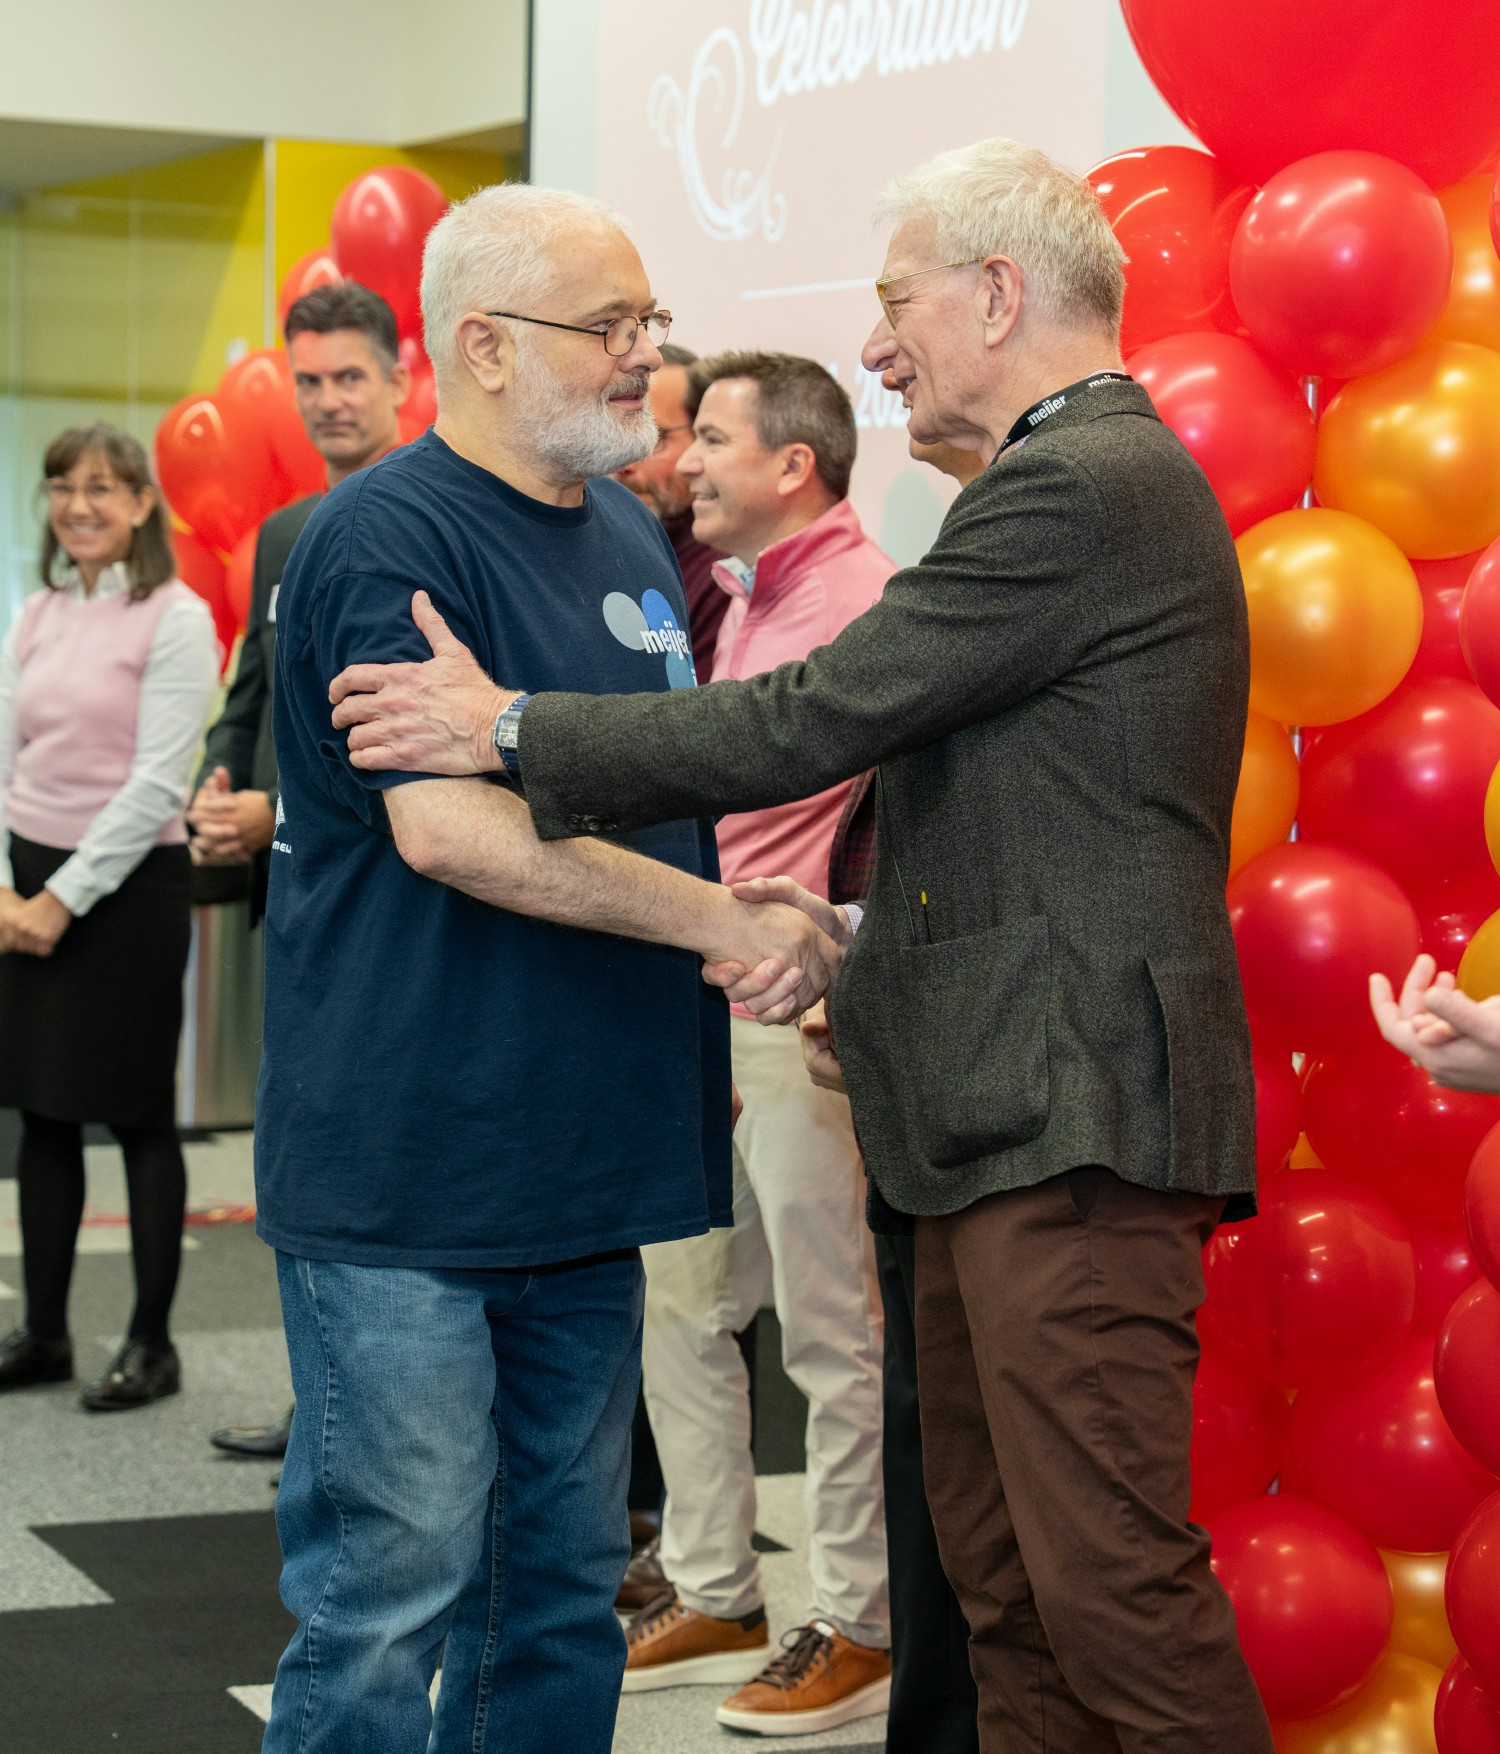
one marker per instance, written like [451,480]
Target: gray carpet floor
[129,1540]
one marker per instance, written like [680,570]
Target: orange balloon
[1265,801]
[1420,1628]
[1472,312]
[1492,818]
[1391,1714]
[1335,615]
[1479,966]
[1415,450]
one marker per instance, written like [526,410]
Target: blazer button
[609,827]
[591,824]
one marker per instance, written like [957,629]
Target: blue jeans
[455,1488]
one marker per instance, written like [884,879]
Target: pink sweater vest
[77,701]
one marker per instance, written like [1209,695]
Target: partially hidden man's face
[588,412]
[927,352]
[655,479]
[734,479]
[348,397]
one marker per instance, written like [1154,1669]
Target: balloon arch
[1313,304]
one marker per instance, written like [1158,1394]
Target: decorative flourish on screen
[745,203]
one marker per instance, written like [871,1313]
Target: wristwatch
[507,734]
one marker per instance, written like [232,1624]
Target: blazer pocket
[949,1050]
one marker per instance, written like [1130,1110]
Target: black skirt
[90,1033]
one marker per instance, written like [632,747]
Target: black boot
[139,1374]
[26,1361]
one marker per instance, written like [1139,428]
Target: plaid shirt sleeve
[851,860]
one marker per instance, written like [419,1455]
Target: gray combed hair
[999,198]
[491,251]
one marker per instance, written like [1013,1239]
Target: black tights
[49,1171]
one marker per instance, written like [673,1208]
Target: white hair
[999,198]
[491,252]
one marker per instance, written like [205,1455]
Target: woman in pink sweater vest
[106,678]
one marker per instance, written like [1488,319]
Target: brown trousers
[1056,1347]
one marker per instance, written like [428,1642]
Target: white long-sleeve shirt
[176,692]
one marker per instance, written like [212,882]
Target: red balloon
[420,408]
[196,468]
[1245,422]
[1468,1358]
[317,268]
[1311,1599]
[1404,783]
[380,223]
[1321,1286]
[1482,1206]
[1479,622]
[1468,1718]
[1441,652]
[1174,212]
[1451,913]
[1265,82]
[1310,924]
[1473,1589]
[239,577]
[1373,1116]
[1278,1109]
[1446,1268]
[1341,264]
[1239,1434]
[203,570]
[260,414]
[1379,1451]
[1495,211]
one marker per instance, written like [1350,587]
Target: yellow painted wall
[310,174]
[139,287]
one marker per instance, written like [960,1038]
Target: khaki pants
[799,1236]
[1056,1346]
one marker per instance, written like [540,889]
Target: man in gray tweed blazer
[1039,1018]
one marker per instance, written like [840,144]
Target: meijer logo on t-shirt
[651,626]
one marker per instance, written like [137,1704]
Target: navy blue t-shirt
[444,1083]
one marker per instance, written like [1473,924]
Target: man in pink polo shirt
[773,445]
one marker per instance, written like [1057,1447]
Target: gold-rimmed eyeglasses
[882,287]
[618,335]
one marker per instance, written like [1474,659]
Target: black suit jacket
[1056,697]
[240,738]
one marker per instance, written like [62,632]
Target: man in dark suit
[350,387]
[351,384]
[1039,1020]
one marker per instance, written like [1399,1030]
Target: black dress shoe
[267,1441]
[139,1374]
[26,1361]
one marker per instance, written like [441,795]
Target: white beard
[578,439]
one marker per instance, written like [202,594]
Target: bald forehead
[595,271]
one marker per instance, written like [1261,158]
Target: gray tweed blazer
[1056,698]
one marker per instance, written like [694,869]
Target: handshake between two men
[772,945]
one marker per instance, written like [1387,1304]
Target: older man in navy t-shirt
[491,1067]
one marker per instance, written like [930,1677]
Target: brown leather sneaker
[820,1680]
[668,1645]
[644,1580]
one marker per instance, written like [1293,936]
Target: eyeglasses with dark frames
[617,335]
